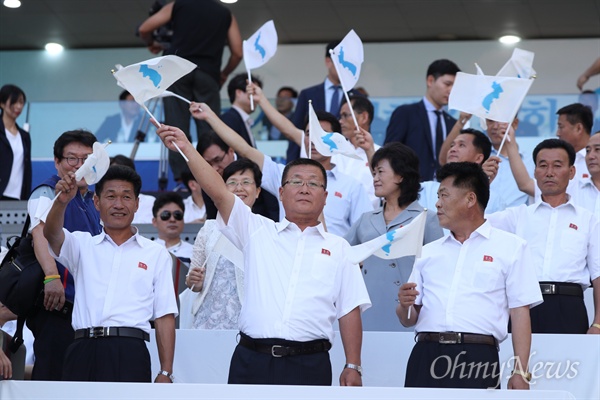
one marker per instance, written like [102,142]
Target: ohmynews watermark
[459,369]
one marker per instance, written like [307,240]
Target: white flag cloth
[150,78]
[520,65]
[348,57]
[226,249]
[261,46]
[95,166]
[328,143]
[493,97]
[401,242]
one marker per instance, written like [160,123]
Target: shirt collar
[103,236]
[328,84]
[430,107]
[484,230]
[285,224]
[243,113]
[541,203]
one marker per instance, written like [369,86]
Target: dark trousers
[251,367]
[196,86]
[53,334]
[560,314]
[466,366]
[109,359]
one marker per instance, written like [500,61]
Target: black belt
[456,338]
[111,331]
[286,347]
[568,289]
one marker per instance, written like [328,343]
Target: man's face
[171,227]
[462,149]
[73,157]
[117,204]
[495,131]
[452,203]
[347,123]
[303,202]
[217,158]
[552,171]
[129,107]
[438,90]
[284,102]
[592,155]
[242,100]
[568,132]
[314,154]
[331,71]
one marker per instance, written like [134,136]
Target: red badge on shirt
[326,252]
[338,194]
[488,258]
[573,226]
[585,176]
[142,265]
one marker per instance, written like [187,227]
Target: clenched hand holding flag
[259,49]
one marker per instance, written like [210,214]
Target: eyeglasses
[74,161]
[166,215]
[245,183]
[216,160]
[297,183]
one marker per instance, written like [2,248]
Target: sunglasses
[166,215]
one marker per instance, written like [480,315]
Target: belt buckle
[273,350]
[98,331]
[549,288]
[450,338]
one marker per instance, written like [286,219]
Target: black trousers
[251,367]
[109,359]
[560,314]
[53,334]
[463,366]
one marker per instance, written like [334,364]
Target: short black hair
[120,159]
[290,89]
[120,173]
[360,103]
[470,176]
[78,135]
[124,94]
[239,82]
[480,141]
[241,165]
[303,161]
[207,139]
[167,198]
[442,67]
[331,46]
[11,93]
[186,177]
[555,143]
[404,162]
[326,117]
[578,113]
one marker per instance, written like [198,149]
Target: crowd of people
[504,250]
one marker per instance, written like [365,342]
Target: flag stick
[158,124]
[310,132]
[251,97]
[504,139]
[335,65]
[168,93]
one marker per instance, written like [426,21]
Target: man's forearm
[351,333]
[40,248]
[281,122]
[521,336]
[164,328]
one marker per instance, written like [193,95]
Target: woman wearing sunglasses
[216,280]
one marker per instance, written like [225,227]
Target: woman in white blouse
[217,282]
[15,146]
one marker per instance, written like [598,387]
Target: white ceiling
[112,23]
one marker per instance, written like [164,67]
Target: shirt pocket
[323,269]
[487,276]
[573,242]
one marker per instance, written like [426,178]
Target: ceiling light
[12,3]
[509,39]
[229,1]
[54,48]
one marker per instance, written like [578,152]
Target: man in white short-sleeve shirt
[123,281]
[297,278]
[564,240]
[463,290]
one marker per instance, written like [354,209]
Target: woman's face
[13,110]
[385,181]
[242,184]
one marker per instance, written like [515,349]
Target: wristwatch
[525,375]
[357,368]
[167,374]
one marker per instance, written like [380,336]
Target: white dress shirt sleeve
[70,253]
[522,287]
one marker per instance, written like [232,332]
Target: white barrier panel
[558,362]
[146,391]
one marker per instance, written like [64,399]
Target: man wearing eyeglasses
[168,211]
[297,278]
[51,322]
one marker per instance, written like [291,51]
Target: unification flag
[492,97]
[520,65]
[150,78]
[328,143]
[95,166]
[261,46]
[401,242]
[348,57]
